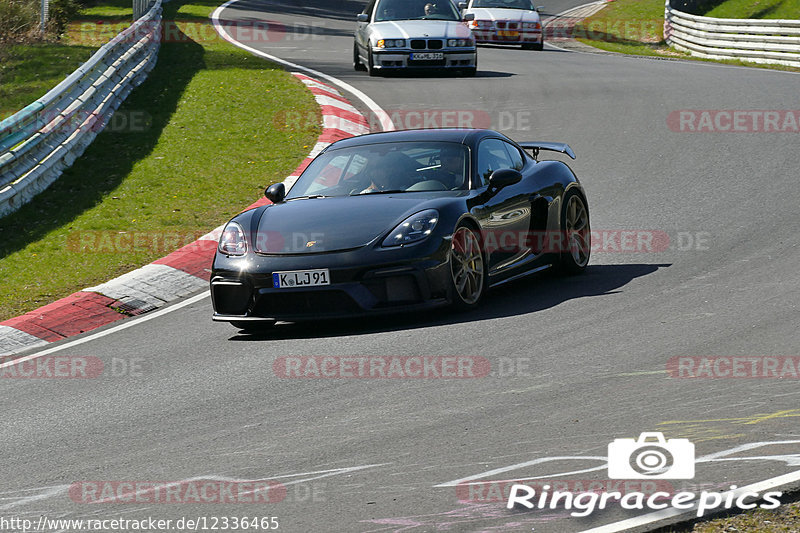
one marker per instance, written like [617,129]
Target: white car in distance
[393,35]
[505,22]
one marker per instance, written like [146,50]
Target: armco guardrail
[759,40]
[41,140]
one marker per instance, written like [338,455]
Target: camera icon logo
[643,458]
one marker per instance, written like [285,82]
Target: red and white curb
[179,274]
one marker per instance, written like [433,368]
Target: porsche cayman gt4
[401,221]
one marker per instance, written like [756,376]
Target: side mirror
[462,6]
[275,193]
[504,177]
[539,9]
[469,17]
[362,17]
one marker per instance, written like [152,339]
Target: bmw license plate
[507,33]
[427,56]
[301,278]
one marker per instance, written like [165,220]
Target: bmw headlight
[390,43]
[232,240]
[415,228]
[459,43]
[531,25]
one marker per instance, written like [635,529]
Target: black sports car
[401,221]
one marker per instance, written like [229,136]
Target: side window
[492,155]
[516,158]
[370,6]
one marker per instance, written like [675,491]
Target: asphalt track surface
[382,454]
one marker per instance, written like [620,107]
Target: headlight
[232,241]
[482,24]
[390,43]
[531,25]
[459,42]
[415,228]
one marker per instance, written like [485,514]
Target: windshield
[508,4]
[383,168]
[415,10]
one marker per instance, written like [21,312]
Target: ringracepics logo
[650,456]
[641,459]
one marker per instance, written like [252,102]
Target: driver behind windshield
[451,170]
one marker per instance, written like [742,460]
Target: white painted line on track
[129,323]
[385,120]
[657,516]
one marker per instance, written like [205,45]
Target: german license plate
[427,56]
[507,33]
[301,278]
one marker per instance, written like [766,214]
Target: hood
[420,29]
[514,15]
[317,225]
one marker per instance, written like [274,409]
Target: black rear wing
[535,146]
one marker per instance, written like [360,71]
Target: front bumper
[507,37]
[363,282]
[400,59]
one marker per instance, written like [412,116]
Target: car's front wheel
[577,234]
[467,268]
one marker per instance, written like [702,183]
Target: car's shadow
[455,73]
[518,298]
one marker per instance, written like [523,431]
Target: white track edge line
[127,323]
[759,486]
[386,122]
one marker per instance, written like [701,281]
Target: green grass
[784,519]
[626,26]
[211,146]
[757,9]
[29,71]
[636,27]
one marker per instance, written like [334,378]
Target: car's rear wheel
[258,326]
[357,64]
[577,243]
[467,268]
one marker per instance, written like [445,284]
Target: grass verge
[636,27]
[784,519]
[198,141]
[757,9]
